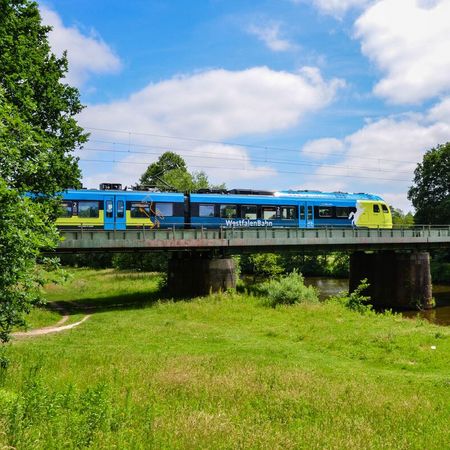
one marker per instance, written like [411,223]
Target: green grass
[223,372]
[40,317]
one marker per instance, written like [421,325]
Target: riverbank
[223,372]
[440,315]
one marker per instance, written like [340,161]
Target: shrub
[355,301]
[264,265]
[287,290]
[147,262]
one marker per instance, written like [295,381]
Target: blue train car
[234,210]
[301,209]
[111,208]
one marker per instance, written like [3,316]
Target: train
[112,208]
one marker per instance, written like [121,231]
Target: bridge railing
[173,238]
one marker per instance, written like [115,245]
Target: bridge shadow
[122,302]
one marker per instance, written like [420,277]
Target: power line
[253,170]
[260,160]
[256,146]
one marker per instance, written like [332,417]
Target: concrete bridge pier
[192,274]
[401,280]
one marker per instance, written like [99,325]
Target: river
[439,315]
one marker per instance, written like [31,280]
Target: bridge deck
[250,240]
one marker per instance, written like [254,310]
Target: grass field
[223,372]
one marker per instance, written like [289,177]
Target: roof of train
[81,194]
[328,195]
[299,195]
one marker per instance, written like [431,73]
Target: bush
[355,301]
[91,260]
[287,290]
[146,262]
[263,265]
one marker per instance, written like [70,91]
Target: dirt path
[52,329]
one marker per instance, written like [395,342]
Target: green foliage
[170,173]
[150,262]
[38,132]
[287,290]
[264,265]
[355,300]
[23,233]
[400,219]
[334,264]
[337,265]
[440,266]
[92,260]
[37,109]
[430,194]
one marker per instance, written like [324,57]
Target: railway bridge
[395,261]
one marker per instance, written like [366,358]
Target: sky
[331,95]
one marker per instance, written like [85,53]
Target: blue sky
[272,94]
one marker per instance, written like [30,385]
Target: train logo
[245,223]
[354,216]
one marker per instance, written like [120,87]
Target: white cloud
[320,148]
[408,40]
[270,35]
[87,55]
[441,111]
[218,104]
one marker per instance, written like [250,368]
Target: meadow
[221,372]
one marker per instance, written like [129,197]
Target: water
[439,315]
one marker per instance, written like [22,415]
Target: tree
[430,194]
[38,133]
[170,173]
[265,265]
[399,218]
[23,233]
[168,162]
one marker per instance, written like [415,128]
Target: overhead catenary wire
[260,169]
[238,144]
[204,155]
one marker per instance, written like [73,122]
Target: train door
[309,216]
[120,212]
[302,215]
[108,212]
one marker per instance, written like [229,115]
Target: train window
[310,212]
[249,212]
[87,209]
[269,212]
[302,212]
[206,210]
[65,209]
[109,208]
[288,212]
[139,210]
[325,211]
[228,211]
[342,212]
[376,208]
[164,209]
[385,209]
[120,209]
